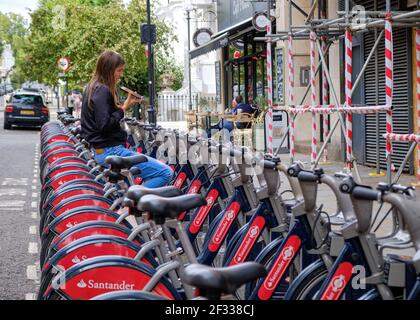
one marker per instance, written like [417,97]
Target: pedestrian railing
[172,108]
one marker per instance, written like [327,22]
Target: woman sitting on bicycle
[101,117]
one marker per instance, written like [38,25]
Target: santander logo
[288,253]
[254,231]
[201,214]
[279,267]
[230,215]
[285,256]
[338,283]
[194,190]
[82,284]
[76,259]
[91,284]
[180,180]
[69,224]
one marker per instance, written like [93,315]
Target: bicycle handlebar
[365,193]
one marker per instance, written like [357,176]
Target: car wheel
[6,125]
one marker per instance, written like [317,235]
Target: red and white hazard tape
[325,98]
[290,88]
[314,153]
[418,99]
[332,109]
[389,83]
[348,89]
[402,137]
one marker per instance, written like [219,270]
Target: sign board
[218,82]
[260,21]
[64,64]
[279,87]
[233,12]
[304,75]
[280,124]
[202,36]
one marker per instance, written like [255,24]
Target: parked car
[25,108]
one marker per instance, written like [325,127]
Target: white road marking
[33,248]
[34,195]
[31,272]
[34,215]
[32,230]
[12,204]
[15,182]
[13,192]
[33,204]
[30,296]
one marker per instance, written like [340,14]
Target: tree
[81,30]
[13,30]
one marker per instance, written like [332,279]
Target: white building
[7,61]
[203,15]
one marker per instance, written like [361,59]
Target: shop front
[241,67]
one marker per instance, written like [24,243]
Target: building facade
[241,65]
[7,61]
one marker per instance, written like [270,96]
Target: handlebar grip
[307,176]
[135,171]
[365,193]
[270,165]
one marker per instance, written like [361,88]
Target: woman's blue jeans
[154,173]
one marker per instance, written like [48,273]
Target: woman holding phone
[101,117]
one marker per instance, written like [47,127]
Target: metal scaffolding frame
[322,32]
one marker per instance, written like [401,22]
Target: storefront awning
[220,39]
[214,44]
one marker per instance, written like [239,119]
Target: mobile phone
[132,92]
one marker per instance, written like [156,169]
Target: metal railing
[174,107]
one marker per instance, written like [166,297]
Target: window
[26,99]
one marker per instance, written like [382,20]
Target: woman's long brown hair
[106,65]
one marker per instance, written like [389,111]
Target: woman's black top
[101,123]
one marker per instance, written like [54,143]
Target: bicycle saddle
[214,281]
[117,162]
[161,208]
[135,193]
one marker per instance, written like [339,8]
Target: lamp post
[188,9]
[151,74]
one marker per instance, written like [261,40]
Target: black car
[25,108]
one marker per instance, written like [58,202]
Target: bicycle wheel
[307,284]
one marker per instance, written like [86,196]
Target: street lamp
[188,8]
[151,72]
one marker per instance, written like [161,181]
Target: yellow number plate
[27,112]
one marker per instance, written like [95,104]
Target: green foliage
[261,102]
[13,30]
[82,29]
